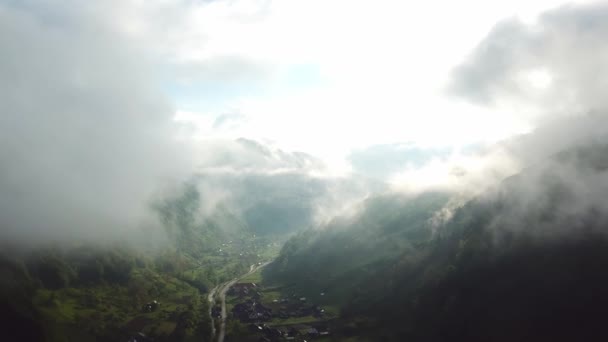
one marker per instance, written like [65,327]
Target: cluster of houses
[243,290]
[289,333]
[298,308]
[251,311]
[301,311]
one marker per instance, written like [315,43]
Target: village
[270,315]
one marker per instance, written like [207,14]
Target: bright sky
[139,94]
[327,77]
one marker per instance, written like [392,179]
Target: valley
[151,303]
[259,311]
[390,272]
[325,171]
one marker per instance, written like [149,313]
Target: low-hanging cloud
[550,73]
[274,190]
[554,65]
[561,197]
[85,136]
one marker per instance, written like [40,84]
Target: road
[211,299]
[221,290]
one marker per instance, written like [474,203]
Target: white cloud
[382,66]
[464,173]
[82,88]
[85,133]
[381,70]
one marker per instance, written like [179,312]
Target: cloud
[278,64]
[249,156]
[550,73]
[546,72]
[271,190]
[85,134]
[383,161]
[225,69]
[230,119]
[462,172]
[543,70]
[561,197]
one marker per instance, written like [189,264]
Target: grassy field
[293,320]
[255,277]
[103,309]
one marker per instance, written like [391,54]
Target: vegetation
[95,292]
[522,262]
[349,251]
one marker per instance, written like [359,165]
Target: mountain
[523,261]
[98,291]
[213,227]
[349,250]
[272,191]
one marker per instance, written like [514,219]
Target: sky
[325,78]
[121,99]
[328,78]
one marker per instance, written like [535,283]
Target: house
[322,329]
[303,329]
[152,306]
[242,289]
[256,327]
[139,337]
[312,332]
[274,333]
[251,311]
[282,331]
[216,311]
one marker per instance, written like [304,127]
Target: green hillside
[98,291]
[350,250]
[523,261]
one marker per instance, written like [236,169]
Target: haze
[273,170]
[108,104]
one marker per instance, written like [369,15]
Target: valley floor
[264,312]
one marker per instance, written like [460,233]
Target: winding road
[211,299]
[221,290]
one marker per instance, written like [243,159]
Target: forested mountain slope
[98,291]
[523,261]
